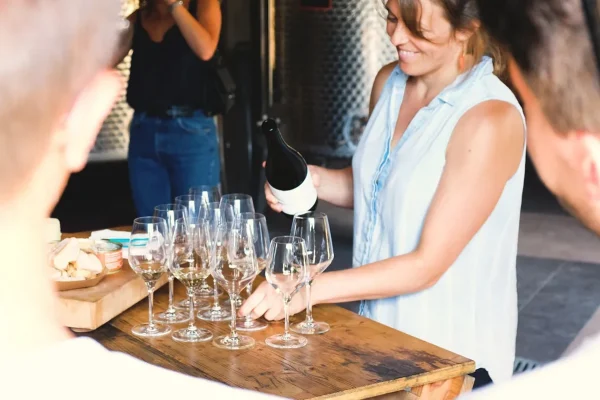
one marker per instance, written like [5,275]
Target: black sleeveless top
[165,74]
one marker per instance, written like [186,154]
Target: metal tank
[113,140]
[324,56]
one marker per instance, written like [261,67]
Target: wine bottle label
[299,199]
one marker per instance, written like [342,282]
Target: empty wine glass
[171,213]
[234,266]
[190,266]
[286,271]
[193,203]
[208,194]
[313,227]
[257,226]
[240,203]
[148,258]
[213,215]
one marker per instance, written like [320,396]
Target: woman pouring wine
[435,185]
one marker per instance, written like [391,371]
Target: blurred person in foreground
[555,69]
[56,91]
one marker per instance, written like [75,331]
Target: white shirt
[472,309]
[573,377]
[83,369]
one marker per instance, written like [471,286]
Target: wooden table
[357,359]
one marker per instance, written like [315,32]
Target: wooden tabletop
[358,358]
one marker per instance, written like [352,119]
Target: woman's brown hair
[462,15]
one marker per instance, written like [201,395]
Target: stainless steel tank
[324,58]
[113,140]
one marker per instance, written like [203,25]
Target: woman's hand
[265,301]
[274,203]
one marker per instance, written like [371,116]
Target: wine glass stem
[248,319]
[309,317]
[216,306]
[150,288]
[233,319]
[286,311]
[192,316]
[171,309]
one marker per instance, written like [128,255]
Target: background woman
[173,144]
[436,185]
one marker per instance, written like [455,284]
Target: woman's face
[440,48]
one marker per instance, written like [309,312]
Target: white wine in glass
[190,266]
[234,266]
[148,258]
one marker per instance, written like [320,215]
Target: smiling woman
[436,184]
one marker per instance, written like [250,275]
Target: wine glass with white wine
[234,266]
[213,215]
[190,266]
[148,258]
[194,203]
[257,226]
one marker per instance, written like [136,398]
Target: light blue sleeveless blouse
[472,310]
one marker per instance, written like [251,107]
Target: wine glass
[213,215]
[257,225]
[287,272]
[209,194]
[240,203]
[148,258]
[190,266]
[193,203]
[171,213]
[234,266]
[313,227]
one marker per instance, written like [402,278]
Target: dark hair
[549,41]
[462,15]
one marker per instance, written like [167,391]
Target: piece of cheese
[89,262]
[67,254]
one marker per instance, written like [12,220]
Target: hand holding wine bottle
[289,180]
[272,200]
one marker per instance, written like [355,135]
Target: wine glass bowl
[191,267]
[193,203]
[239,202]
[171,213]
[234,266]
[148,258]
[314,228]
[208,194]
[256,225]
[286,272]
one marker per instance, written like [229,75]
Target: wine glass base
[226,342]
[206,292]
[188,335]
[283,341]
[215,316]
[250,326]
[314,328]
[198,304]
[144,330]
[176,317]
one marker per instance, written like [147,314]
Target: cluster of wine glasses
[205,235]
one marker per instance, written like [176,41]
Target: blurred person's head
[554,70]
[432,35]
[55,92]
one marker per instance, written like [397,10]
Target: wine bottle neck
[275,138]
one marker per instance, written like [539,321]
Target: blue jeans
[168,156]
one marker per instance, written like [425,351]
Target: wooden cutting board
[89,308]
